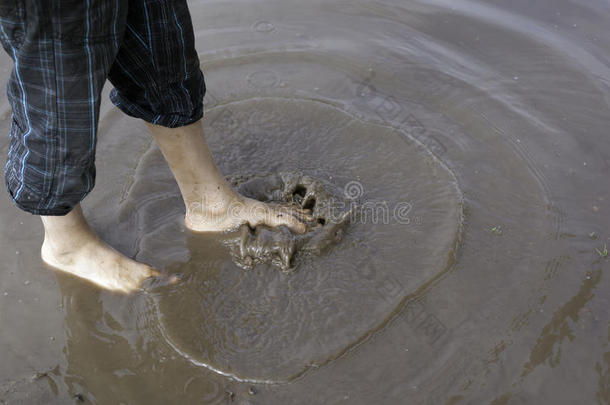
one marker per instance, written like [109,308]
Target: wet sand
[480,129]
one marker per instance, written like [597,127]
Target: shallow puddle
[261,324]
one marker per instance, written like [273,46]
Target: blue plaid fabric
[63,52]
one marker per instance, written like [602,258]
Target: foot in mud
[211,203]
[239,210]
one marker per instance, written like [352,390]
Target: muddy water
[259,325]
[475,133]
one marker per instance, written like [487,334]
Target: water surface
[485,122]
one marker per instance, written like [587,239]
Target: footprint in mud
[352,271]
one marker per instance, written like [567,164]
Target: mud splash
[331,212]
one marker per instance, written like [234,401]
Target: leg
[211,203]
[62,52]
[157,78]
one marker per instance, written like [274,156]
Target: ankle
[63,248]
[63,234]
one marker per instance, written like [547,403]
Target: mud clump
[280,247]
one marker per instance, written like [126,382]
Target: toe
[300,210]
[299,213]
[291,222]
[306,217]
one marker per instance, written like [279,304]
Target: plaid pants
[63,51]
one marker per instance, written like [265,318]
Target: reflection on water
[109,358]
[476,132]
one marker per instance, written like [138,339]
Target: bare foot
[71,246]
[201,217]
[211,204]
